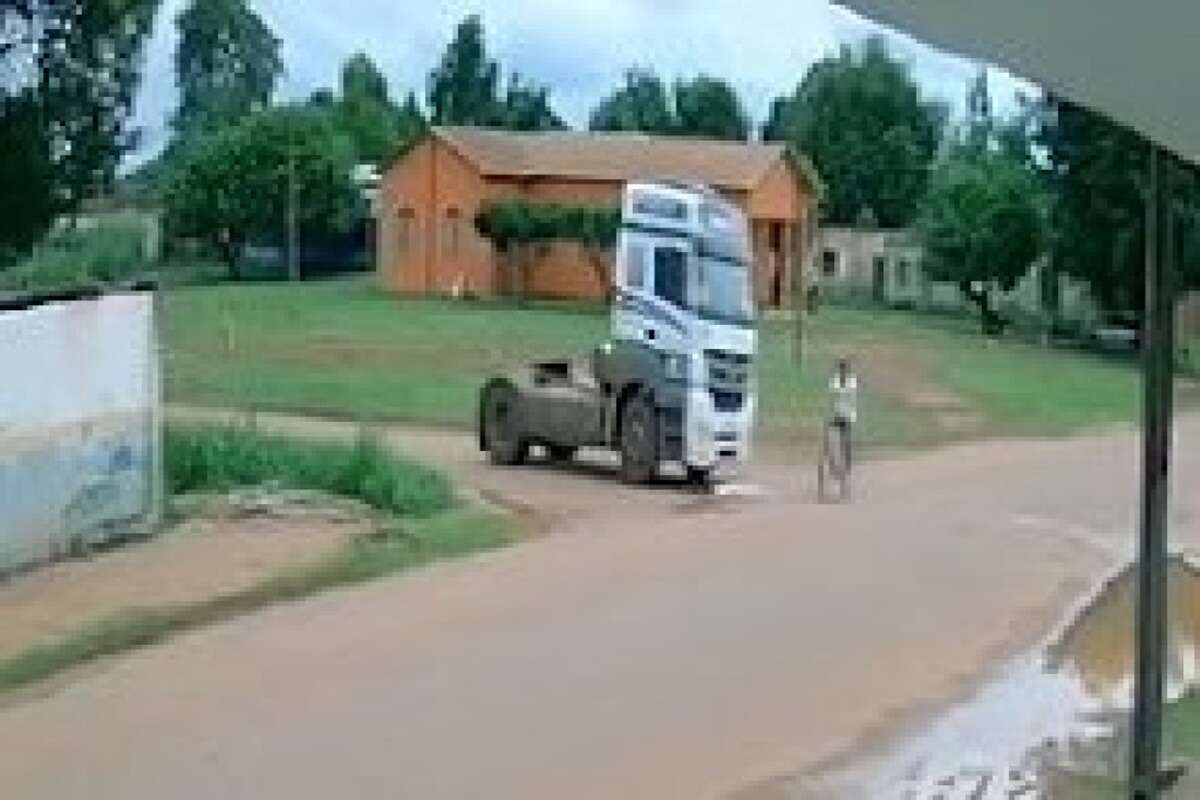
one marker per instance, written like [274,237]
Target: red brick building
[428,201]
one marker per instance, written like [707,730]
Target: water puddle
[1056,711]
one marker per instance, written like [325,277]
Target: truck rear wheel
[500,431]
[639,440]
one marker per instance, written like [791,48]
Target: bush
[69,259]
[220,458]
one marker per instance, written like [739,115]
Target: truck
[674,386]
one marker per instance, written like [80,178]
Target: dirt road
[652,645]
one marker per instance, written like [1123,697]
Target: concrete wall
[1188,322]
[885,266]
[79,425]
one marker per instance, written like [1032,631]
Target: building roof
[616,156]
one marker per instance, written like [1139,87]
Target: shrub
[220,458]
[78,258]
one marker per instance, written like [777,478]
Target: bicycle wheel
[835,459]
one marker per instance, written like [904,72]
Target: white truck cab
[683,291]
[675,382]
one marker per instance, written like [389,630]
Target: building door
[879,280]
[775,276]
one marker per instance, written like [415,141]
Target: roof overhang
[1136,63]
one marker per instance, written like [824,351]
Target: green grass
[345,349]
[219,458]
[1183,728]
[398,546]
[1181,744]
[1020,388]
[341,348]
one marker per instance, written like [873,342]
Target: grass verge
[398,546]
[220,458]
[423,523]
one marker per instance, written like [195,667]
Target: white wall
[80,420]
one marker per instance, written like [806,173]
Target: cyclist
[843,395]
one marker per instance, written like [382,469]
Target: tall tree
[640,104]
[1097,174]
[365,111]
[981,224]
[68,73]
[709,107]
[362,82]
[226,66]
[860,117]
[463,87]
[231,186]
[979,112]
[412,123]
[526,107]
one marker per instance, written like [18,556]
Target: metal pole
[1158,347]
[293,232]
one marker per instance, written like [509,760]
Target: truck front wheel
[639,440]
[501,433]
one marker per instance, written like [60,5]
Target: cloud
[579,49]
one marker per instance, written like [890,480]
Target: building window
[404,226]
[829,263]
[903,273]
[670,275]
[453,232]
[635,265]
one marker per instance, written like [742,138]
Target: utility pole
[293,227]
[1158,353]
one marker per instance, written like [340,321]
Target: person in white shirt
[843,395]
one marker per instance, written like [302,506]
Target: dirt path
[657,645]
[228,547]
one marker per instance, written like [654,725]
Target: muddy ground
[648,644]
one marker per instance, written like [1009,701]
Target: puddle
[1047,711]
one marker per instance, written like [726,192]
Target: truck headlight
[675,366]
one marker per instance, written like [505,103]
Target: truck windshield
[723,291]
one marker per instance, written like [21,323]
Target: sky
[578,48]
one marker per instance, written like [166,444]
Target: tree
[28,200]
[641,104]
[68,73]
[980,123]
[411,124]
[1096,170]
[981,225]
[526,107]
[860,118]
[463,86]
[322,98]
[709,107]
[231,186]
[464,89]
[362,82]
[365,111]
[226,66]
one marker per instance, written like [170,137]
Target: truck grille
[727,401]
[728,378]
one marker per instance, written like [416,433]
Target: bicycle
[834,465]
